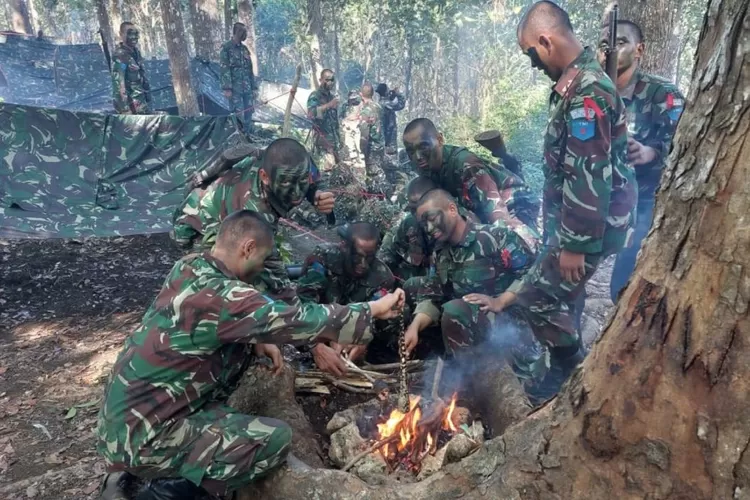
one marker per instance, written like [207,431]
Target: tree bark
[659,408]
[409,57]
[115,16]
[104,23]
[179,59]
[315,33]
[20,21]
[227,19]
[246,14]
[204,18]
[657,19]
[336,48]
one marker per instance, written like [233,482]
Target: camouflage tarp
[67,174]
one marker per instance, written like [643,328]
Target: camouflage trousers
[218,449]
[548,301]
[242,105]
[325,153]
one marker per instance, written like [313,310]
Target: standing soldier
[654,106]
[237,78]
[371,140]
[589,190]
[322,109]
[391,101]
[130,88]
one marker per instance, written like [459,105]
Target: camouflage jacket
[236,68]
[653,108]
[325,123]
[366,115]
[488,260]
[325,280]
[589,188]
[493,193]
[396,102]
[192,347]
[129,83]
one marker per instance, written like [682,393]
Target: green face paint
[434,224]
[131,37]
[289,185]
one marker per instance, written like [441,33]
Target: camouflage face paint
[434,223]
[131,37]
[423,150]
[290,184]
[362,255]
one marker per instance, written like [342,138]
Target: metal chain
[403,384]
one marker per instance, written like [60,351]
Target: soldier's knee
[455,311]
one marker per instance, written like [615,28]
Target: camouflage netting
[72,174]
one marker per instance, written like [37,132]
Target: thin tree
[20,19]
[104,23]
[204,18]
[179,58]
[315,35]
[246,14]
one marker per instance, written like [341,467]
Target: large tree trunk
[657,19]
[409,57]
[246,13]
[227,19]
[20,21]
[104,23]
[336,49]
[659,408]
[315,32]
[179,59]
[204,19]
[115,16]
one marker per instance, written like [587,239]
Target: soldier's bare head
[360,242]
[546,36]
[424,145]
[437,214]
[244,242]
[367,91]
[630,45]
[327,79]
[239,32]
[129,34]
[285,173]
[416,189]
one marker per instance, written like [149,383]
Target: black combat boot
[563,361]
[117,486]
[172,489]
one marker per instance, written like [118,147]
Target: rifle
[611,52]
[105,47]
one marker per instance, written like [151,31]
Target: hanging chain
[403,383]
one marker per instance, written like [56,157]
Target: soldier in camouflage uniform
[342,274]
[237,77]
[391,101]
[491,193]
[271,186]
[130,87]
[653,106]
[322,110]
[468,258]
[164,415]
[589,191]
[372,140]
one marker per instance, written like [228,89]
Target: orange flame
[448,423]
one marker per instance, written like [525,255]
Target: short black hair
[424,123]
[382,89]
[325,72]
[439,197]
[244,224]
[634,27]
[284,151]
[237,26]
[418,186]
[124,25]
[547,14]
[364,231]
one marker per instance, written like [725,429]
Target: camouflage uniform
[351,137]
[326,140]
[237,76]
[405,249]
[488,259]
[492,193]
[589,195]
[201,213]
[374,149]
[653,108]
[129,83]
[325,280]
[394,102]
[164,412]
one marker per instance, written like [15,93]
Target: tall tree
[204,20]
[659,407]
[179,58]
[246,13]
[20,21]
[657,19]
[315,35]
[227,19]
[104,23]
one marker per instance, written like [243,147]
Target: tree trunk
[659,408]
[20,21]
[456,57]
[179,59]
[246,14]
[115,16]
[315,32]
[104,24]
[437,59]
[204,17]
[409,57]
[336,49]
[227,19]
[657,19]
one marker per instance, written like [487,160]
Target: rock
[372,408]
[458,447]
[345,444]
[432,463]
[461,416]
[32,491]
[372,470]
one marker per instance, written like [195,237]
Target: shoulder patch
[318,267]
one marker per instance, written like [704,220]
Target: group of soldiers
[464,256]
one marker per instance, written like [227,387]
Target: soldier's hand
[638,154]
[328,360]
[334,104]
[273,352]
[355,351]
[324,202]
[490,304]
[411,338]
[572,266]
[390,306]
[228,94]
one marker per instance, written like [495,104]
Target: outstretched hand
[390,306]
[491,304]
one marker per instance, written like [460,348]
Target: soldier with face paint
[493,193]
[130,87]
[653,106]
[589,190]
[322,109]
[342,274]
[271,186]
[237,78]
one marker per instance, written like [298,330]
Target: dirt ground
[65,308]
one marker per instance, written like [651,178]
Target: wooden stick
[288,112]
[376,446]
[436,378]
[413,364]
[357,369]
[346,387]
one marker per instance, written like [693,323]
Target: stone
[459,447]
[372,470]
[432,463]
[345,444]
